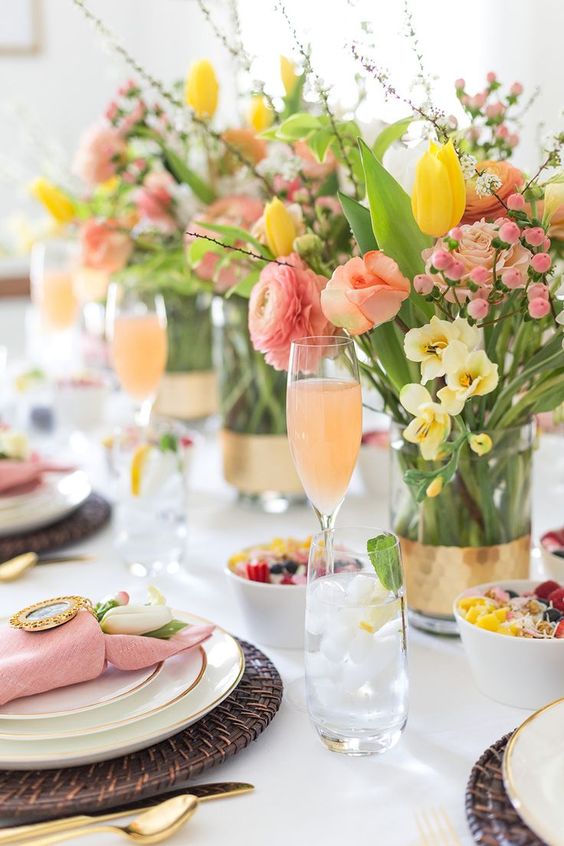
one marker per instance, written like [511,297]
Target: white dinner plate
[533,772]
[165,684]
[224,667]
[65,702]
[60,494]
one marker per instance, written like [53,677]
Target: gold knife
[204,792]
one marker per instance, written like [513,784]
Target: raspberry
[287,580]
[258,572]
[559,630]
[557,599]
[546,588]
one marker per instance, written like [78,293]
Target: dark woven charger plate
[84,521]
[492,818]
[27,796]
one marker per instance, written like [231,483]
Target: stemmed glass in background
[324,419]
[136,330]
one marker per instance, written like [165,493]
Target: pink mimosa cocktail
[57,299]
[324,419]
[139,351]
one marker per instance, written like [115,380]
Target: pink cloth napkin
[16,474]
[33,662]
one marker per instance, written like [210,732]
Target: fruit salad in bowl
[511,633]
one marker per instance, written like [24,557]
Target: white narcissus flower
[429,343]
[468,374]
[135,619]
[14,444]
[431,426]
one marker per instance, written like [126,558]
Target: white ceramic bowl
[275,614]
[522,672]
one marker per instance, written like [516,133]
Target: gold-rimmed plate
[224,667]
[533,772]
[59,495]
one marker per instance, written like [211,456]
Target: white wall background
[66,86]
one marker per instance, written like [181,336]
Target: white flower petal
[413,396]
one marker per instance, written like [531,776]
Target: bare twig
[238,249]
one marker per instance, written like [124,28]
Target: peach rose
[364,292]
[99,151]
[229,211]
[489,207]
[154,200]
[475,250]
[104,246]
[248,143]
[285,305]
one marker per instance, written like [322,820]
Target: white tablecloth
[305,794]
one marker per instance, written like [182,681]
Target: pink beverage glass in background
[324,419]
[53,268]
[136,329]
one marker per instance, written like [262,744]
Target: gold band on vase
[435,575]
[187,396]
[256,464]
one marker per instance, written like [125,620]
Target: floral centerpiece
[453,301]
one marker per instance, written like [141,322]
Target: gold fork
[436,829]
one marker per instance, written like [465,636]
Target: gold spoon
[15,567]
[151,826]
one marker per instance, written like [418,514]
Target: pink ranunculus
[104,246]
[241,211]
[364,292]
[154,200]
[99,152]
[285,305]
[475,250]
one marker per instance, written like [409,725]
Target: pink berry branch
[153,82]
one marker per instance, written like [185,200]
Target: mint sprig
[384,556]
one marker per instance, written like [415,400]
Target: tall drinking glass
[324,419]
[52,272]
[355,654]
[136,329]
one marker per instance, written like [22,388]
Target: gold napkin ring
[50,613]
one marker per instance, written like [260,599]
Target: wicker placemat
[84,521]
[174,763]
[492,818]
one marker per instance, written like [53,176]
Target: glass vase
[478,529]
[252,396]
[188,389]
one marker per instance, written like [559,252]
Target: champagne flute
[324,420]
[136,329]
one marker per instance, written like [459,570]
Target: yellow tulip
[58,204]
[553,200]
[279,227]
[260,114]
[201,89]
[439,193]
[288,75]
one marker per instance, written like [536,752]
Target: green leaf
[298,126]
[319,143]
[359,221]
[200,248]
[182,173]
[238,234]
[244,287]
[293,101]
[389,134]
[383,551]
[393,223]
[168,630]
[168,442]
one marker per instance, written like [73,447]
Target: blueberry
[41,418]
[291,567]
[542,601]
[512,594]
[552,615]
[276,569]
[558,552]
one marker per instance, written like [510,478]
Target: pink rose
[154,200]
[285,305]
[99,152]
[229,211]
[104,246]
[474,251]
[364,292]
